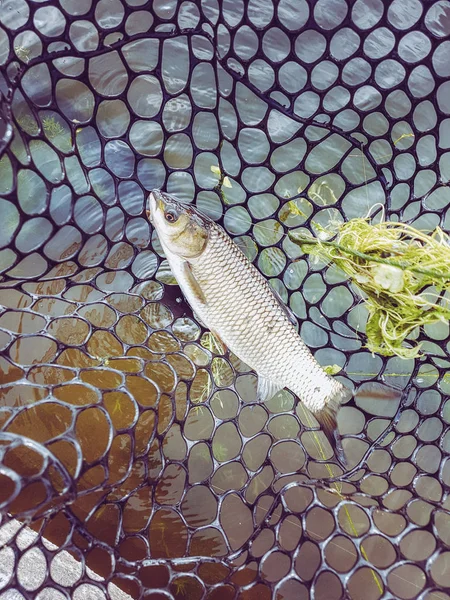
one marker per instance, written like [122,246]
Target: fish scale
[250,321]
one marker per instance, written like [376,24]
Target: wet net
[134,460]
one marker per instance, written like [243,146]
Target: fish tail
[327,418]
[368,392]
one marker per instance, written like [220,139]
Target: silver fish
[233,299]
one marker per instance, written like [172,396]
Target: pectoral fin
[193,283]
[266,389]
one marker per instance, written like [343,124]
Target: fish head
[180,227]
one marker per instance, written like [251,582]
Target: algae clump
[402,273]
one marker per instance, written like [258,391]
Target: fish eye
[171,216]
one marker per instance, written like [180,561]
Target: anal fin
[266,389]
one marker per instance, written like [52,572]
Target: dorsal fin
[287,311]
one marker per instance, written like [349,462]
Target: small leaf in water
[332,369]
[295,212]
[51,127]
[215,169]
[294,208]
[226,182]
[22,53]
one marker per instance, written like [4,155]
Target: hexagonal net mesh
[134,459]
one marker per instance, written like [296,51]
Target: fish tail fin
[366,393]
[327,418]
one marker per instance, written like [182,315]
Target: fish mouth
[155,202]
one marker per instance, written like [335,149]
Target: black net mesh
[134,461]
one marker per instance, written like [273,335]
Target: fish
[231,298]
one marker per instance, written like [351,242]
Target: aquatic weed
[402,273]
